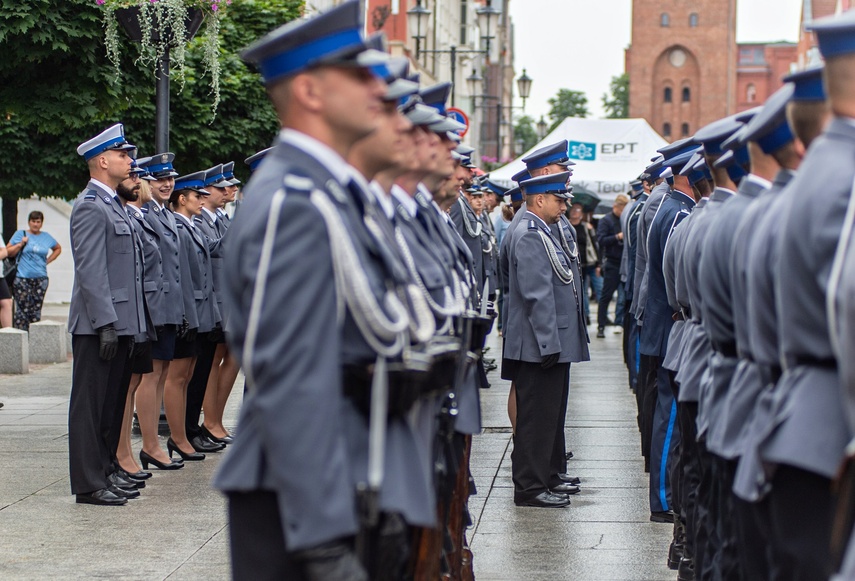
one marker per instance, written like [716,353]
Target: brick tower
[682,63]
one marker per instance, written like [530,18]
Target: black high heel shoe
[146,459]
[207,433]
[171,447]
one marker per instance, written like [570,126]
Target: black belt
[770,373]
[726,349]
[807,361]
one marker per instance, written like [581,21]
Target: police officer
[106,312]
[540,338]
[290,472]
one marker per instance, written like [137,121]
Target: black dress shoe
[664,516]
[570,479]
[568,455]
[545,500]
[101,497]
[675,555]
[141,475]
[601,333]
[146,459]
[225,440]
[565,488]
[171,447]
[119,481]
[137,482]
[686,570]
[121,492]
[202,444]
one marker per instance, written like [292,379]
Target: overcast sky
[579,44]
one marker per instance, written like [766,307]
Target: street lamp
[488,20]
[541,128]
[524,87]
[417,19]
[473,82]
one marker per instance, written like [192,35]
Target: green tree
[565,104]
[57,88]
[616,103]
[524,130]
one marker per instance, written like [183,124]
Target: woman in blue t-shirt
[37,250]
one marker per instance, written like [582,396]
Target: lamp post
[541,128]
[524,87]
[488,16]
[417,17]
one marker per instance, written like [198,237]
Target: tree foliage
[565,104]
[57,88]
[524,130]
[616,103]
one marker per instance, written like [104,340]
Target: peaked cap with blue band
[136,167]
[112,138]
[557,153]
[436,96]
[214,177]
[332,37]
[398,87]
[494,187]
[808,84]
[713,135]
[835,35]
[769,128]
[677,147]
[637,187]
[521,176]
[254,160]
[194,181]
[681,157]
[229,173]
[159,166]
[555,184]
[422,115]
[515,194]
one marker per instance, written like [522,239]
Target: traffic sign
[461,117]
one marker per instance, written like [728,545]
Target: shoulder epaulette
[144,210]
[532,225]
[179,223]
[197,219]
[295,183]
[90,197]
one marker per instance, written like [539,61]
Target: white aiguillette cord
[258,288]
[377,435]
[836,275]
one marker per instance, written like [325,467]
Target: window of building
[687,94]
[668,96]
[693,20]
[684,129]
[464,10]
[750,93]
[664,20]
[666,130]
[752,55]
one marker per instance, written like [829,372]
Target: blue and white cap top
[194,181]
[111,138]
[769,128]
[557,153]
[214,177]
[229,173]
[834,34]
[254,160]
[159,166]
[332,37]
[137,166]
[436,97]
[808,84]
[549,184]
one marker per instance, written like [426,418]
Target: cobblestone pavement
[177,528]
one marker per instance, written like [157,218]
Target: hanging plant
[165,26]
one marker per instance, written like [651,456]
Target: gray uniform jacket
[504,261]
[197,269]
[540,321]
[694,359]
[810,428]
[300,437]
[212,231]
[715,278]
[624,227]
[491,252]
[651,207]
[565,233]
[166,305]
[108,267]
[467,224]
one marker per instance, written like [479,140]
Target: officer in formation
[134,312]
[358,314]
[750,256]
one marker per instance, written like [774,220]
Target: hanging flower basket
[166,26]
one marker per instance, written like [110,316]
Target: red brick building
[686,69]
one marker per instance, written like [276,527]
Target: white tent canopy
[609,153]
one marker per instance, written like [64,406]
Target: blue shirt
[33,257]
[500,226]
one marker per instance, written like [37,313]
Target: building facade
[687,70]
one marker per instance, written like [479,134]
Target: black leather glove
[109,342]
[335,560]
[548,361]
[216,334]
[190,335]
[139,348]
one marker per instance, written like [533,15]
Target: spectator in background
[5,296]
[37,249]
[610,238]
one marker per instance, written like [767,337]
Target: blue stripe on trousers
[663,467]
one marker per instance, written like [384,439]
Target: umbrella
[586,197]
